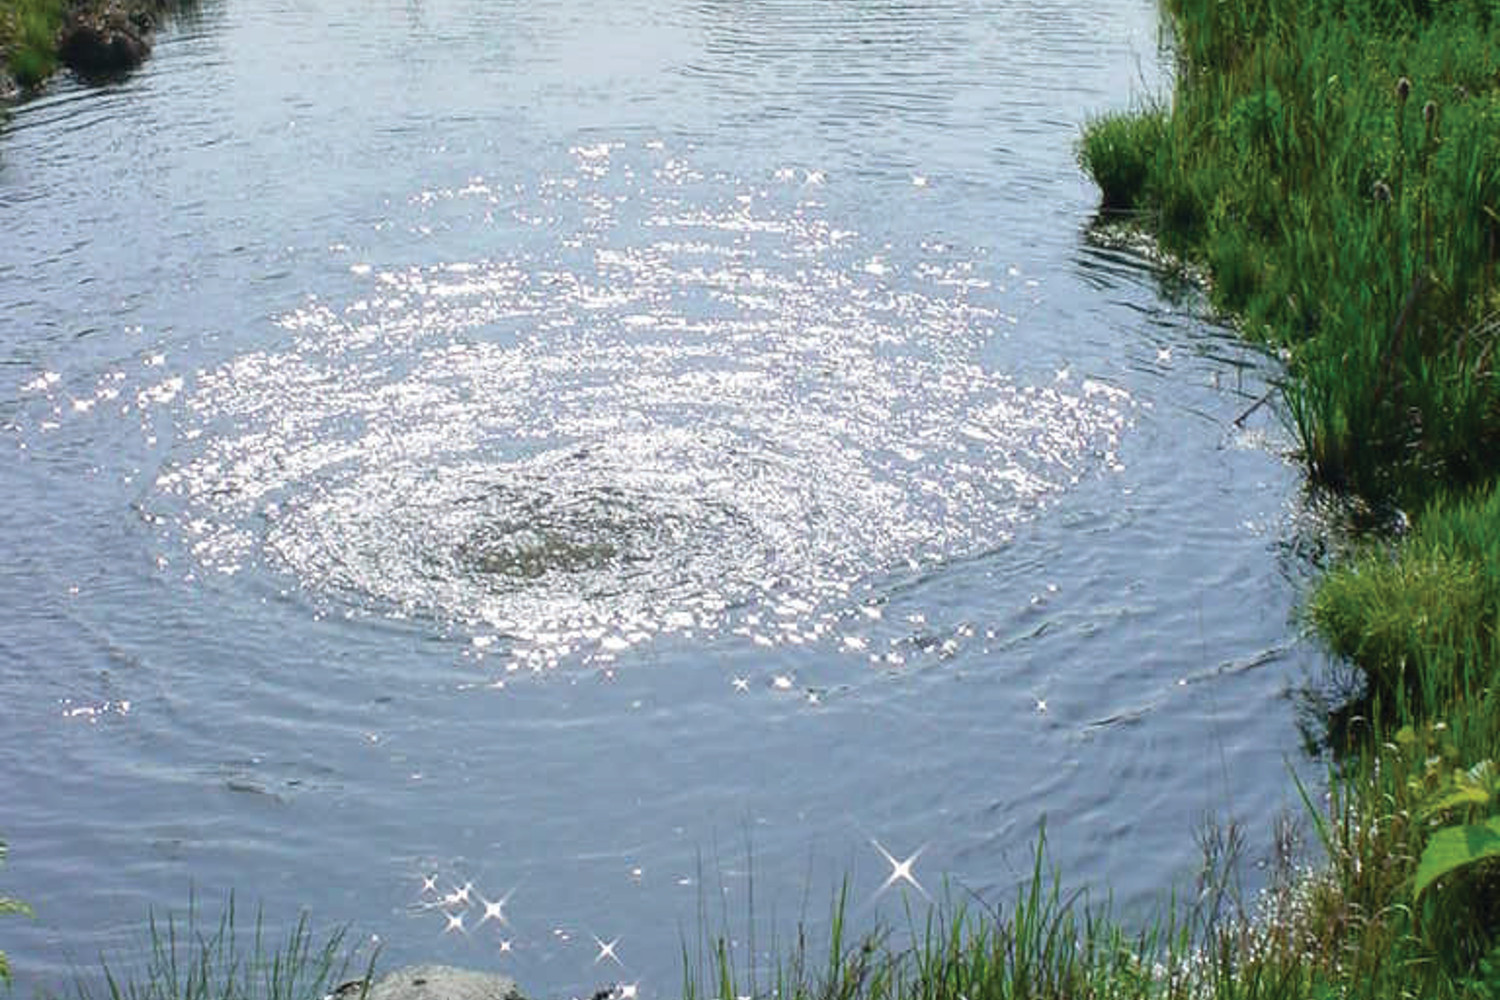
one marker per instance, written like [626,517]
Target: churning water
[574,454]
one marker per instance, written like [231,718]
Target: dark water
[586,452]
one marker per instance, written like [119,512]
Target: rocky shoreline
[99,39]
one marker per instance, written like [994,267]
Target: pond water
[599,459]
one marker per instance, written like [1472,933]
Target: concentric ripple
[691,398]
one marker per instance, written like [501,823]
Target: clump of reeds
[1042,942]
[1117,150]
[28,38]
[1420,617]
[185,961]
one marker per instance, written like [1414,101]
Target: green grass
[225,961]
[28,38]
[1334,166]
[1350,928]
[1420,617]
[1041,942]
[1117,151]
[1343,215]
[8,906]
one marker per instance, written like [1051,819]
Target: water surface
[605,458]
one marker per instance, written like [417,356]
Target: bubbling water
[700,400]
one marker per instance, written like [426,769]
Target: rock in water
[443,982]
[99,46]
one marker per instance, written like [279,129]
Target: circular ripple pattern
[690,399]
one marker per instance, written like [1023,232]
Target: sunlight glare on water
[703,399]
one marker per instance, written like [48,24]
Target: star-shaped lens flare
[607,950]
[460,896]
[494,909]
[900,870]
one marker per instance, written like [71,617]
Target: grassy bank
[98,39]
[1334,165]
[28,38]
[1043,942]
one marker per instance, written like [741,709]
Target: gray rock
[442,982]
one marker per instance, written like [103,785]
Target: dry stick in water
[1265,398]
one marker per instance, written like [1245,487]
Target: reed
[225,961]
[1348,928]
[1041,942]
